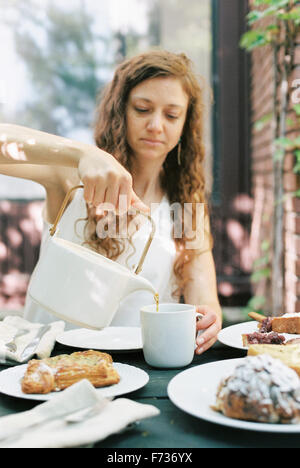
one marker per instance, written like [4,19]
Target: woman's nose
[155,123]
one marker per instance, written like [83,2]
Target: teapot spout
[139,283]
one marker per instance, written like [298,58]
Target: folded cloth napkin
[13,325]
[9,312]
[75,417]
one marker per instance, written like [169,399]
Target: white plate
[108,339]
[131,379]
[232,336]
[194,390]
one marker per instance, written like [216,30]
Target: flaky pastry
[261,389]
[59,372]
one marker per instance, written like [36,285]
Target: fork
[32,346]
[11,346]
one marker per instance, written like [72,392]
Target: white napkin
[9,328]
[6,312]
[53,429]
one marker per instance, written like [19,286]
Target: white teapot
[84,287]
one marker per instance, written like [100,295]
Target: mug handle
[147,246]
[198,318]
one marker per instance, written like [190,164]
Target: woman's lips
[150,142]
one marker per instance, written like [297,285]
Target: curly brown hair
[184,183]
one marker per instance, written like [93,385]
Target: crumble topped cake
[261,389]
[59,372]
[263,338]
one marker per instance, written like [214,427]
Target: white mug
[169,335]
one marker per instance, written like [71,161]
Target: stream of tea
[156,298]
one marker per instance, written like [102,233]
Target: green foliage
[63,57]
[265,246]
[257,276]
[297,165]
[278,3]
[278,10]
[261,271]
[255,304]
[263,121]
[264,260]
[288,143]
[297,193]
[292,145]
[261,265]
[69,53]
[296,108]
[255,38]
[292,15]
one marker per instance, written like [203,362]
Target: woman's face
[155,116]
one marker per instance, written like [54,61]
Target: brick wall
[262,89]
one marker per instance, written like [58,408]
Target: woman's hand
[107,181]
[211,323]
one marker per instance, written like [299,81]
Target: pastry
[59,372]
[261,389]
[288,354]
[287,323]
[259,337]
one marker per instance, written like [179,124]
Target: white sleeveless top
[157,267]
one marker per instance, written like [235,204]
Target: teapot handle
[147,246]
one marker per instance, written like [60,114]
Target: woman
[150,119]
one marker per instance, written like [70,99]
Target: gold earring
[179,153]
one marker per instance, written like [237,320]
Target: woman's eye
[138,109]
[171,116]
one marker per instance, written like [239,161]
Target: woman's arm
[46,157]
[202,291]
[22,145]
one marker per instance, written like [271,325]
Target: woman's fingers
[128,199]
[137,203]
[209,326]
[112,197]
[88,194]
[125,193]
[101,175]
[105,181]
[209,316]
[119,199]
[209,334]
[205,346]
[99,194]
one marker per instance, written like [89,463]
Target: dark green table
[172,428]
